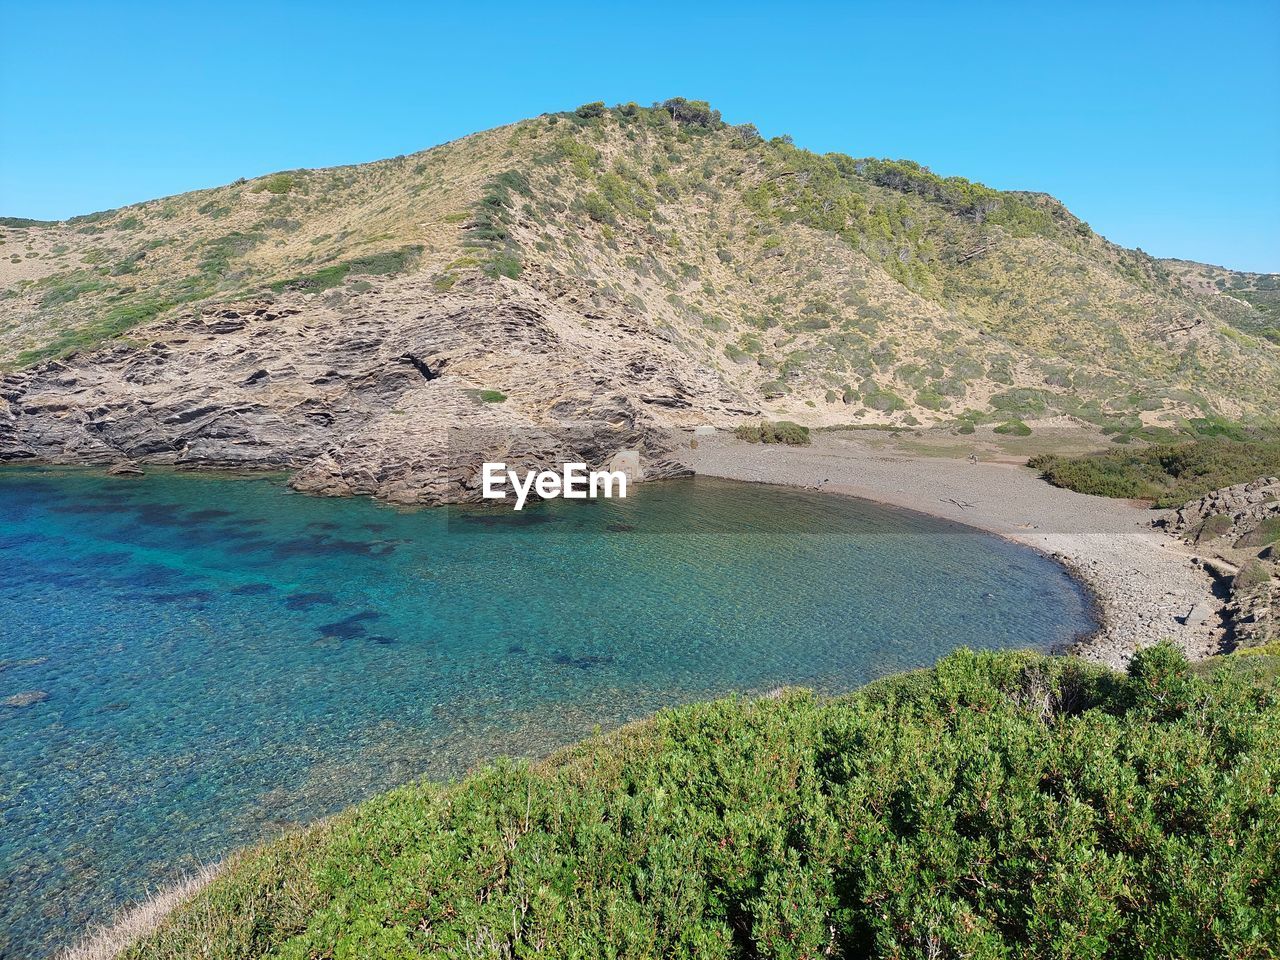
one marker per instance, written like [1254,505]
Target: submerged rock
[26,698]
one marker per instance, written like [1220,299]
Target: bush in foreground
[999,805]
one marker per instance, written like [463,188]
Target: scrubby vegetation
[1168,474]
[278,183]
[1264,534]
[116,322]
[24,222]
[866,290]
[378,264]
[1013,428]
[1250,576]
[489,229]
[999,805]
[781,431]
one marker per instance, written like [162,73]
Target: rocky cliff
[1240,525]
[379,397]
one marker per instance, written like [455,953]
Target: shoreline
[1087,586]
[1107,547]
[1144,585]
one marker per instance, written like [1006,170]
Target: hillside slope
[998,805]
[609,273]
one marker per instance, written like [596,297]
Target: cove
[219,658]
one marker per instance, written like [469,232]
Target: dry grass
[141,920]
[880,318]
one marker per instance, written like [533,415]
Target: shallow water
[223,657]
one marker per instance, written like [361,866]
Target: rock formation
[1241,525]
[386,398]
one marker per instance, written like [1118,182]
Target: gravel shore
[1148,586]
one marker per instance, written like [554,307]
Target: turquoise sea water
[221,657]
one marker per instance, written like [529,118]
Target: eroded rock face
[398,393]
[1240,524]
[1229,514]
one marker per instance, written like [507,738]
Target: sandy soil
[1148,586]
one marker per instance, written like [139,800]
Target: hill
[609,274]
[997,805]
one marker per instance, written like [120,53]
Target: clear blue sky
[1158,123]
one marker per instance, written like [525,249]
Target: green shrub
[1021,400]
[1013,428]
[1264,534]
[597,208]
[774,388]
[66,288]
[504,265]
[492,396]
[999,805]
[590,111]
[1252,575]
[582,157]
[780,431]
[1213,527]
[810,324]
[886,401]
[388,263]
[1168,474]
[696,113]
[489,229]
[930,399]
[277,183]
[22,223]
[113,323]
[217,255]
